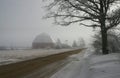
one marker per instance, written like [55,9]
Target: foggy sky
[21,21]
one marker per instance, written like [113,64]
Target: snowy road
[42,67]
[73,69]
[47,71]
[93,66]
[57,69]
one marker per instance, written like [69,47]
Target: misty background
[22,20]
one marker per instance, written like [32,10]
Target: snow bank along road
[91,66]
[104,66]
[23,68]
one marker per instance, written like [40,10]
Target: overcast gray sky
[21,21]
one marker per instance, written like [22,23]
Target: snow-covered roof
[43,38]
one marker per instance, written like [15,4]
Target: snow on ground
[10,56]
[105,66]
[83,65]
[72,70]
[88,65]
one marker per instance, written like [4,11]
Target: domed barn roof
[43,41]
[43,38]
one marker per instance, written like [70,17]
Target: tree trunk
[104,41]
[103,27]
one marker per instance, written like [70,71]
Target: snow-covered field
[83,65]
[88,65]
[10,56]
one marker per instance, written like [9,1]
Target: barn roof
[43,38]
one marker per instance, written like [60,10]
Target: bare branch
[82,9]
[114,19]
[66,23]
[93,25]
[67,12]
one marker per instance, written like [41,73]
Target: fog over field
[59,38]
[21,21]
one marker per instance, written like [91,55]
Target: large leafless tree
[104,14]
[113,42]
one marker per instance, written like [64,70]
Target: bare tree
[104,14]
[74,44]
[58,44]
[113,42]
[81,43]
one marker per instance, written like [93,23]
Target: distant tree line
[79,44]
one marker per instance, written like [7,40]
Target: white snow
[83,65]
[72,70]
[106,66]
[88,65]
[10,56]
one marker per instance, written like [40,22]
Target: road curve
[29,68]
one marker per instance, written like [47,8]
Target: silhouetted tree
[104,14]
[74,44]
[58,44]
[113,42]
[81,43]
